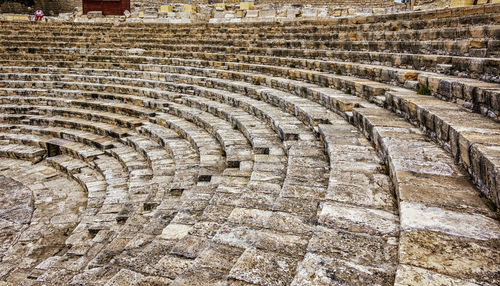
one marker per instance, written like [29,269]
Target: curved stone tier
[352,151]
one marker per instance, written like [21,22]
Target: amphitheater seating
[372,3]
[357,151]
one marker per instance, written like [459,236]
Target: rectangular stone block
[189,9]
[271,13]
[461,3]
[309,12]
[252,13]
[15,17]
[166,9]
[246,5]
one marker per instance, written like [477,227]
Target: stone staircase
[356,151]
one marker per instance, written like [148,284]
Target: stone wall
[49,7]
[12,7]
[58,6]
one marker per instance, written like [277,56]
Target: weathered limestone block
[252,14]
[310,12]
[271,13]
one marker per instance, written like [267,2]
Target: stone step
[406,33]
[90,115]
[417,20]
[235,145]
[474,94]
[112,107]
[289,178]
[90,139]
[186,159]
[376,93]
[472,139]
[54,146]
[471,48]
[460,65]
[475,35]
[364,87]
[158,158]
[22,152]
[94,87]
[267,153]
[415,165]
[56,121]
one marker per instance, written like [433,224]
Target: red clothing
[38,15]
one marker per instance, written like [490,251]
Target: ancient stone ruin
[357,149]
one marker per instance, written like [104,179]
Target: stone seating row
[184,253]
[358,63]
[106,106]
[85,154]
[359,32]
[456,150]
[74,252]
[472,48]
[136,168]
[179,224]
[418,59]
[486,68]
[478,96]
[289,30]
[462,154]
[77,150]
[454,33]
[101,105]
[16,151]
[82,172]
[74,168]
[457,139]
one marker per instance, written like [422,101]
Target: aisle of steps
[266,154]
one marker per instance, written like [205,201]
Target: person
[38,15]
[31,14]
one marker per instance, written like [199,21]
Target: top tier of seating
[371,3]
[360,151]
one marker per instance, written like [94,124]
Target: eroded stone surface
[16,208]
[44,207]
